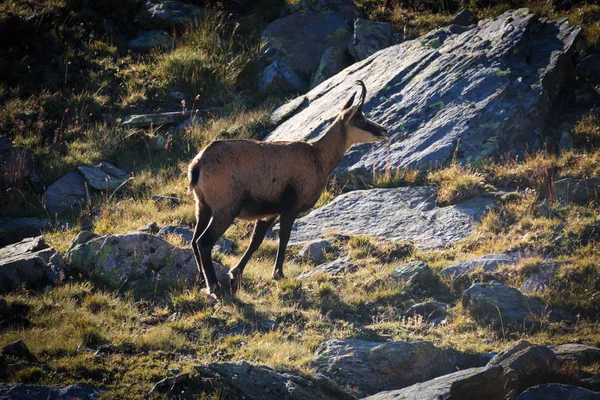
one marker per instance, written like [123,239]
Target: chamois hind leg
[260,229]
[216,227]
[203,215]
[285,229]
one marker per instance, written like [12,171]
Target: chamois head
[358,128]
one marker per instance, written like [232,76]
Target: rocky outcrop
[369,37]
[472,383]
[373,367]
[488,263]
[254,382]
[498,304]
[332,268]
[557,391]
[463,92]
[299,39]
[278,77]
[136,260]
[401,214]
[30,263]
[77,391]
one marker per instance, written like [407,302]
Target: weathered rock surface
[489,263]
[30,263]
[254,382]
[523,362]
[582,354]
[373,367]
[151,39]
[577,190]
[167,14]
[13,230]
[66,194]
[19,391]
[400,214]
[465,18]
[333,268]
[496,304]
[491,86]
[369,37]
[315,251]
[223,245]
[300,39]
[135,259]
[469,384]
[540,279]
[278,77]
[417,272]
[333,60]
[589,68]
[103,176]
[557,391]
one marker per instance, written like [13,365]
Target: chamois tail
[193,176]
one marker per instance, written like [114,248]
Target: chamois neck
[331,146]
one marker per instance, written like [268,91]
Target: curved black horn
[363,94]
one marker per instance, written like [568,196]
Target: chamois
[254,180]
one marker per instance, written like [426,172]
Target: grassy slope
[58,108]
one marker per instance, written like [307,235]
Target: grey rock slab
[491,86]
[468,384]
[19,391]
[581,354]
[400,214]
[66,194]
[254,382]
[29,263]
[498,304]
[300,39]
[279,77]
[147,40]
[557,391]
[333,60]
[223,245]
[137,259]
[540,279]
[373,367]
[488,262]
[167,14]
[577,190]
[333,268]
[315,251]
[166,118]
[13,230]
[369,37]
[103,176]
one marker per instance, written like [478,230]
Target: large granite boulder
[167,14]
[400,214]
[463,92]
[333,60]
[243,380]
[300,39]
[369,37]
[372,367]
[501,305]
[103,176]
[137,259]
[468,384]
[30,263]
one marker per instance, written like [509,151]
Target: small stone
[315,251]
[19,349]
[333,268]
[151,227]
[464,18]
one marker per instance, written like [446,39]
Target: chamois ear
[349,102]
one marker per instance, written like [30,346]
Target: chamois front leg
[285,229]
[216,228]
[260,229]
[203,215]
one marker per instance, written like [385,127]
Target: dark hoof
[278,275]
[235,280]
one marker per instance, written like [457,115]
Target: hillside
[459,258]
